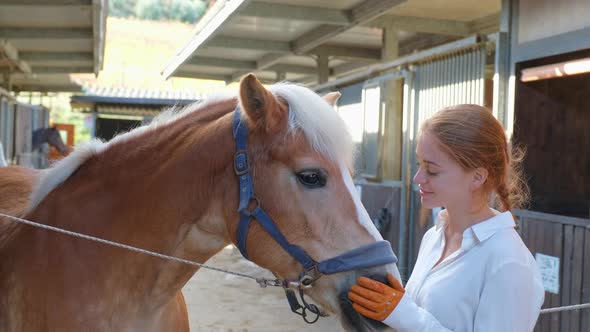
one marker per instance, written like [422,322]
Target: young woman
[473,272]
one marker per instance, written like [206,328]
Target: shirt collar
[486,228]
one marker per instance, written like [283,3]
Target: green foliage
[172,10]
[122,8]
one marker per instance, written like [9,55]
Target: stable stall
[41,44]
[118,110]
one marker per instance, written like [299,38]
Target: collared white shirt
[491,283]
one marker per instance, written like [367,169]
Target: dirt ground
[221,302]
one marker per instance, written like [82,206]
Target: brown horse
[171,187]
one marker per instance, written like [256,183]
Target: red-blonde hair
[474,138]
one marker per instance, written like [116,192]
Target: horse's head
[54,139]
[300,158]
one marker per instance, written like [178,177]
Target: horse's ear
[259,104]
[332,98]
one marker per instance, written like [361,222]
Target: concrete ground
[221,302]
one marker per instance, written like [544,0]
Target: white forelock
[322,126]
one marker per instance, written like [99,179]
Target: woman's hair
[474,138]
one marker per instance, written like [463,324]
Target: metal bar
[207,28]
[406,173]
[405,60]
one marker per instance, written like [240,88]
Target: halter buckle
[241,165]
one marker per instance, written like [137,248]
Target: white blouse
[490,284]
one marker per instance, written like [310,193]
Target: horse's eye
[312,178]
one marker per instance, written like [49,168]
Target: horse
[49,135]
[177,186]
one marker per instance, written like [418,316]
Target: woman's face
[442,181]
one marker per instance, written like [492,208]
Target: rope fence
[261,281]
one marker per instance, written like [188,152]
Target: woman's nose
[419,177]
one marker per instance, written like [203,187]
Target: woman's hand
[374,299]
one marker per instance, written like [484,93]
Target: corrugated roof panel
[266,28]
[38,16]
[458,10]
[229,53]
[53,45]
[340,4]
[209,69]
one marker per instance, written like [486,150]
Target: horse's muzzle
[352,320]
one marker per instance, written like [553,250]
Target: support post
[391,144]
[323,68]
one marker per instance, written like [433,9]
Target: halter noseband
[371,255]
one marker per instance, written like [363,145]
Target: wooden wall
[568,239]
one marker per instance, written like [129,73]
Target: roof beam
[225,63]
[46,33]
[486,24]
[47,2]
[348,52]
[206,28]
[56,56]
[249,44]
[249,65]
[360,14]
[11,53]
[203,76]
[421,24]
[290,68]
[61,70]
[46,88]
[297,13]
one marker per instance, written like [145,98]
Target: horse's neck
[157,191]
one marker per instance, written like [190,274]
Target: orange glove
[374,299]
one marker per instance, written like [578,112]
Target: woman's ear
[480,175]
[260,105]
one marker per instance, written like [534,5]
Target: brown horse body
[168,188]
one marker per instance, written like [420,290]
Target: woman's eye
[312,178]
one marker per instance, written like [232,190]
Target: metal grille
[7,127]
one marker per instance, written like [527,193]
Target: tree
[186,10]
[175,10]
[122,8]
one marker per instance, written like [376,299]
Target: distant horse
[174,187]
[49,135]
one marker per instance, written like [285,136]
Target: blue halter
[374,254]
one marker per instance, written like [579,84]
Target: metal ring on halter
[256,200]
[306,282]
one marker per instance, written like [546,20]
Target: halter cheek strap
[371,255]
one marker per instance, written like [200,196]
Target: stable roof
[131,101]
[286,39]
[43,41]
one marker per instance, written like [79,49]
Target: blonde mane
[308,113]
